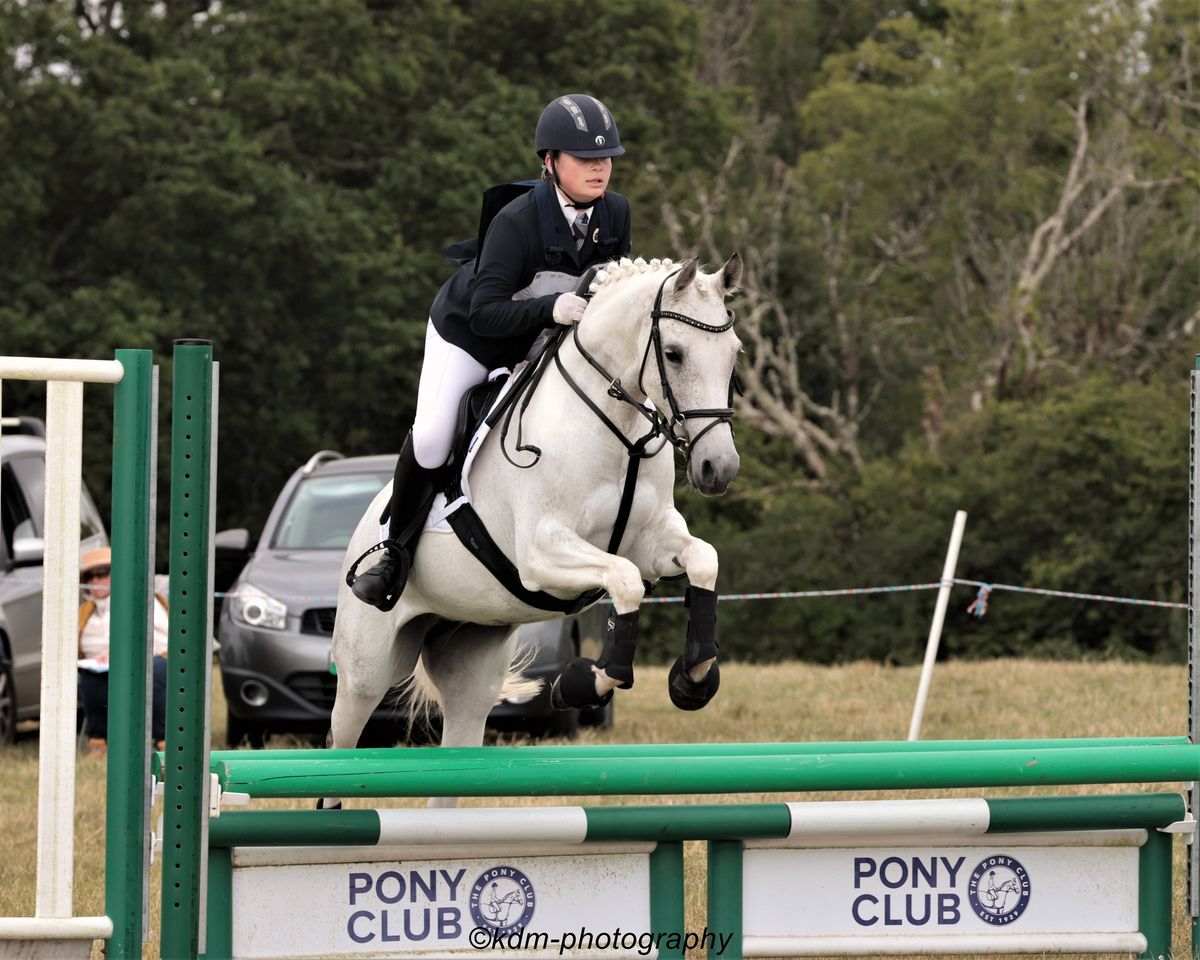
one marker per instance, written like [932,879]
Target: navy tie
[579,228]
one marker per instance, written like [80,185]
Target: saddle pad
[439,513]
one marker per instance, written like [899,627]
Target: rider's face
[582,178]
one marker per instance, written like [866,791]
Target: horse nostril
[707,471]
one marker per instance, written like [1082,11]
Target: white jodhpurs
[446,375]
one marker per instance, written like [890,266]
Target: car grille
[318,620]
[318,689]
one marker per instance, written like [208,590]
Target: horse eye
[673,354]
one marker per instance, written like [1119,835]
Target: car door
[21,587]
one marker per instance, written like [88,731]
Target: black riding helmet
[579,125]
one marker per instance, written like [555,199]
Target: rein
[660,425]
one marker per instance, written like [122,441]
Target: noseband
[660,424]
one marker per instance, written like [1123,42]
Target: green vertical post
[667,896]
[219,942]
[725,894]
[1193,651]
[126,853]
[1154,895]
[185,807]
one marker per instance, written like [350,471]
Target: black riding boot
[412,490]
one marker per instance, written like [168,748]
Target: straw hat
[96,559]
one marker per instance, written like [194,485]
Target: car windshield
[325,510]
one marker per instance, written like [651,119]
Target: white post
[935,629]
[60,638]
[53,931]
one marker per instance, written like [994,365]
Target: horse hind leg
[373,653]
[471,668]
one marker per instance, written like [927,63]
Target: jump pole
[476,771]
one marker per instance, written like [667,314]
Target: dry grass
[791,701]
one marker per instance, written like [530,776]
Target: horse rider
[488,314]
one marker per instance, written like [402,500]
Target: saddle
[472,410]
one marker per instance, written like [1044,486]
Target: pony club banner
[397,907]
[1020,892]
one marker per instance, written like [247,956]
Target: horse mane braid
[625,267]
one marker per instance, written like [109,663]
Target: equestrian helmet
[579,125]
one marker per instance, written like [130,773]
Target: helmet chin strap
[571,201]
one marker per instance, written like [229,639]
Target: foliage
[1084,491]
[969,232]
[280,177]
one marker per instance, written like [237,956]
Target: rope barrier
[978,607]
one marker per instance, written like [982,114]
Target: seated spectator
[94,618]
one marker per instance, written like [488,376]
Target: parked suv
[22,529]
[276,624]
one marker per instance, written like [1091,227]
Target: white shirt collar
[569,212]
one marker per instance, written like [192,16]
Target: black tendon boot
[686,693]
[412,494]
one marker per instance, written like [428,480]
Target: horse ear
[731,274]
[684,278]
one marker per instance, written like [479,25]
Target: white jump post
[935,629]
[53,929]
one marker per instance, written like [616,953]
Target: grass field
[791,701]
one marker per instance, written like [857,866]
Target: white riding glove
[568,308]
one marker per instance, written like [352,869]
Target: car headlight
[257,608]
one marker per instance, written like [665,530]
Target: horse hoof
[686,693]
[336,805]
[576,687]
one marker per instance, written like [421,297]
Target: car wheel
[8,704]
[239,731]
[599,717]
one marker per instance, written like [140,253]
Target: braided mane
[625,267]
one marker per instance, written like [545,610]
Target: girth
[467,524]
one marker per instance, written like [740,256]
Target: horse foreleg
[561,561]
[668,548]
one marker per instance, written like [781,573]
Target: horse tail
[516,684]
[424,698]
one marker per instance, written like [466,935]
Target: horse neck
[615,331]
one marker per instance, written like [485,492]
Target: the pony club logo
[999,890]
[599,141]
[502,899]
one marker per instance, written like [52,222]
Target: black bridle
[667,427]
[660,424]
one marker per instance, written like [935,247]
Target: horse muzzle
[712,474]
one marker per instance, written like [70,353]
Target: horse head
[681,351]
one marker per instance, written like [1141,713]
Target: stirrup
[362,590]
